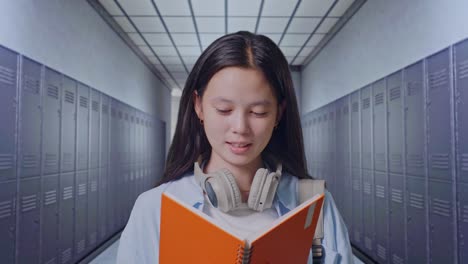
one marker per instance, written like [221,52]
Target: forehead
[239,84]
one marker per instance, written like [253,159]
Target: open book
[190,236]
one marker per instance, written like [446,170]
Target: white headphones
[224,194]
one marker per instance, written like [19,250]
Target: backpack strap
[307,189]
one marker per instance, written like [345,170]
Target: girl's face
[239,113]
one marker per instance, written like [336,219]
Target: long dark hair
[246,50]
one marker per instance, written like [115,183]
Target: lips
[239,147]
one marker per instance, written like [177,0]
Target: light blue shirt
[139,242]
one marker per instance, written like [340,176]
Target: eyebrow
[224,100]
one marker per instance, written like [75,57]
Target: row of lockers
[395,156]
[72,162]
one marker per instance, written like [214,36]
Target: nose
[240,124]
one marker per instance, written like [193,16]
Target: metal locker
[397,219]
[380,126]
[415,135]
[30,119]
[131,164]
[50,220]
[368,212]
[355,131]
[8,221]
[68,123]
[461,113]
[439,91]
[114,149]
[104,137]
[82,135]
[339,170]
[366,127]
[347,205]
[441,222]
[331,166]
[104,163]
[313,143]
[356,233]
[51,121]
[8,108]
[94,129]
[92,226]
[381,217]
[80,214]
[66,217]
[29,220]
[416,220]
[395,123]
[103,205]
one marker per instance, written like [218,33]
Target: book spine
[243,255]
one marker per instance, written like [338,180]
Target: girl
[238,114]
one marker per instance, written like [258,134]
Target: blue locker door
[347,205]
[380,126]
[29,221]
[461,108]
[82,135]
[395,123]
[438,116]
[397,219]
[92,224]
[357,228]
[81,214]
[132,166]
[7,221]
[381,217]
[368,212]
[8,108]
[104,162]
[94,130]
[355,131]
[331,171]
[103,204]
[417,221]
[356,225]
[113,170]
[30,119]
[339,170]
[68,123]
[50,220]
[314,141]
[51,122]
[66,217]
[366,127]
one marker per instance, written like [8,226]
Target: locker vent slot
[67,159]
[51,160]
[381,252]
[380,191]
[441,207]
[355,106]
[368,243]
[438,78]
[29,161]
[396,259]
[66,255]
[463,69]
[80,246]
[95,106]
[7,75]
[52,91]
[28,203]
[365,103]
[30,84]
[93,186]
[105,109]
[83,102]
[52,261]
[356,185]
[50,197]
[416,200]
[397,196]
[440,161]
[367,188]
[81,189]
[414,88]
[395,93]
[6,209]
[67,193]
[6,161]
[379,99]
[464,162]
[69,97]
[415,161]
[396,160]
[465,213]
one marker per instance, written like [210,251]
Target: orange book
[190,236]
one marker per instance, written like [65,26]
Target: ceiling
[169,35]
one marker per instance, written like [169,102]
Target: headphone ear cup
[256,189]
[230,198]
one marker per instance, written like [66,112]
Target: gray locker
[7,221]
[347,205]
[439,91]
[30,119]
[355,131]
[113,169]
[104,163]
[441,222]
[104,137]
[8,108]
[92,227]
[463,222]
[66,217]
[415,135]
[68,123]
[103,205]
[356,234]
[29,220]
[80,213]
[51,121]
[339,148]
[82,135]
[366,127]
[381,217]
[94,130]
[397,219]
[368,211]
[395,123]
[331,161]
[416,220]
[50,220]
[379,126]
